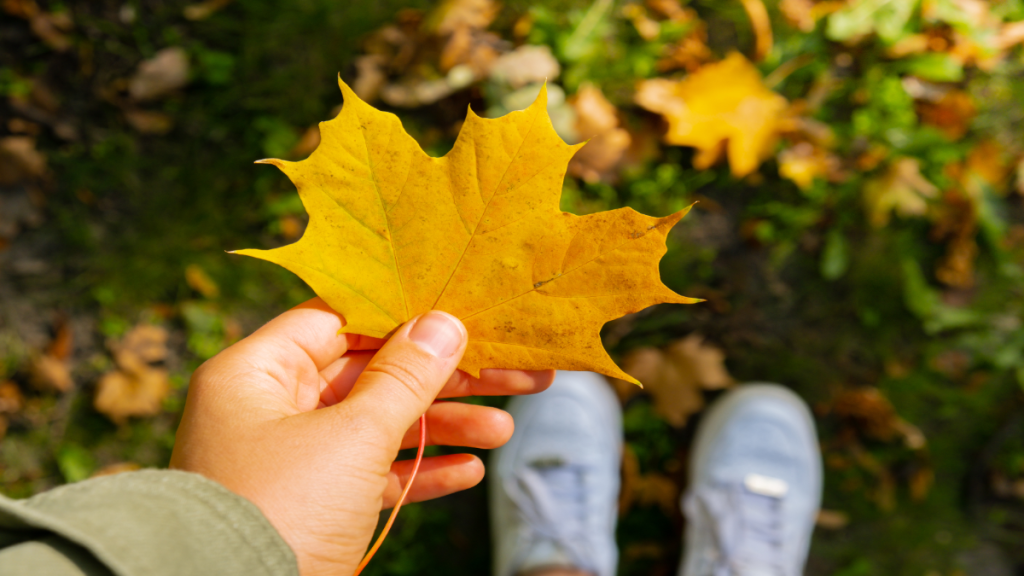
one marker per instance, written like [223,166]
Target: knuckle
[412,376]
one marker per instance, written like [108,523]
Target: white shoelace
[747,529]
[551,502]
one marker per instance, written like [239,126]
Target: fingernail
[439,333]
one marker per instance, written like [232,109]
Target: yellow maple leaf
[901,189]
[721,106]
[477,233]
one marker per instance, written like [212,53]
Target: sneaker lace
[551,501]
[747,530]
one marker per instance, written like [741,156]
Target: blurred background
[859,232]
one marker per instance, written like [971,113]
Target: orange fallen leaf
[952,113]
[722,107]
[900,189]
[478,233]
[51,370]
[19,160]
[136,387]
[198,280]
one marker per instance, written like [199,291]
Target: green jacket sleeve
[146,523]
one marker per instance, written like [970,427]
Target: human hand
[306,423]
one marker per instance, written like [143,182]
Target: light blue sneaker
[755,486]
[554,487]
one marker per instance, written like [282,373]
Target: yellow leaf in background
[901,189]
[722,104]
[804,162]
[477,233]
[198,280]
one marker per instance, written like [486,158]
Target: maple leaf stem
[401,499]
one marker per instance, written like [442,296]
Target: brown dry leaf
[652,489]
[525,65]
[291,227]
[200,281]
[675,376]
[900,189]
[952,113]
[832,519]
[921,481]
[723,107]
[11,399]
[50,27]
[956,219]
[166,72]
[51,370]
[203,10]
[871,414]
[149,122]
[597,120]
[122,394]
[20,161]
[135,388]
[116,468]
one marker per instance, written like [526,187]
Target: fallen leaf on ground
[832,519]
[11,399]
[198,280]
[136,387]
[51,370]
[166,72]
[871,414]
[952,113]
[203,10]
[762,26]
[675,376]
[646,27]
[525,65]
[597,122]
[900,189]
[19,160]
[149,122]
[804,162]
[722,107]
[119,467]
[804,14]
[651,489]
[477,233]
[453,15]
[956,219]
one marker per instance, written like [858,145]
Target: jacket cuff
[155,522]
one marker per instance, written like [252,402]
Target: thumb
[407,373]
